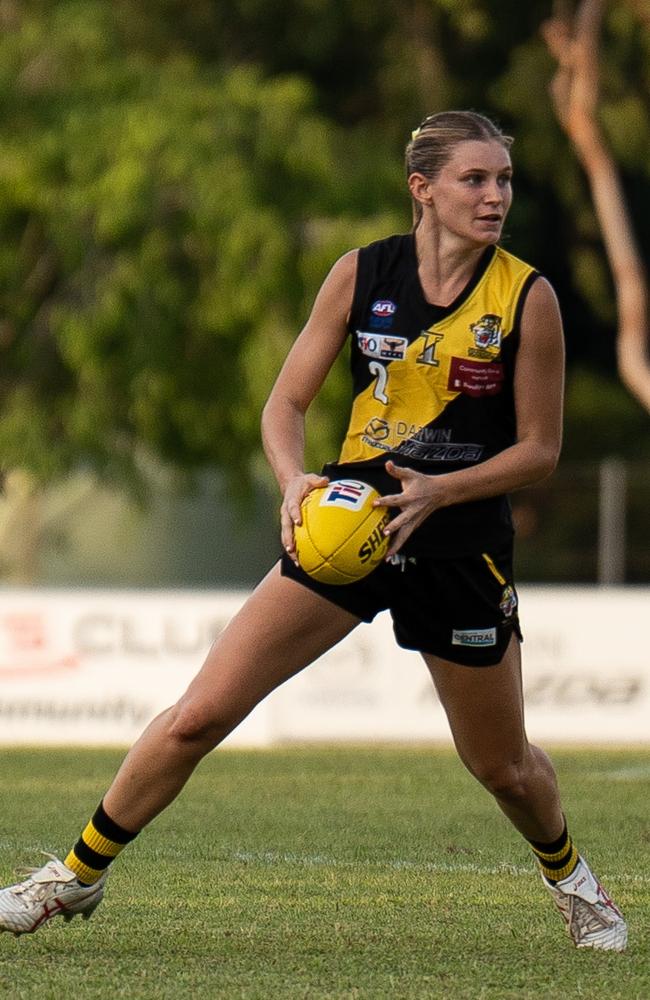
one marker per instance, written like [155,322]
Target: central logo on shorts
[474,637]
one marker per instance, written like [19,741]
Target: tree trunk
[574,42]
[20,529]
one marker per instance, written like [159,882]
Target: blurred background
[176,178]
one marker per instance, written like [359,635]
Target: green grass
[327,873]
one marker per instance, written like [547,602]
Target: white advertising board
[94,667]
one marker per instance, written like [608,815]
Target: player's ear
[420,188]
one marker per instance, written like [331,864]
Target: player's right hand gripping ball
[341,538]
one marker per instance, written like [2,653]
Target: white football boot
[50,891]
[592,919]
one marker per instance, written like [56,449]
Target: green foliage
[152,242]
[603,419]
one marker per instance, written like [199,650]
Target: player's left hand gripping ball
[341,538]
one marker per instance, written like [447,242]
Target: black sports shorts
[463,609]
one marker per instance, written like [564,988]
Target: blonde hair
[434,140]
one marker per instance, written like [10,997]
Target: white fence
[93,667]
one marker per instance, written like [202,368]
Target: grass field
[327,873]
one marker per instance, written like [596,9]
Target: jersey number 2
[382,378]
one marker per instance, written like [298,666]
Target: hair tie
[415,133]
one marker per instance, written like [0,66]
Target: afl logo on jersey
[383,308]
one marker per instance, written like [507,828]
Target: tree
[153,246]
[574,41]
[177,178]
[154,252]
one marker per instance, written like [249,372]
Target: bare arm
[302,375]
[539,384]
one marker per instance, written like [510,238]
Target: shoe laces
[30,889]
[588,918]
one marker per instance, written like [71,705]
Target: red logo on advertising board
[475,378]
[25,647]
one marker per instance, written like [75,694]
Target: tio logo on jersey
[382,346]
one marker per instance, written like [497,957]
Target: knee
[196,728]
[506,780]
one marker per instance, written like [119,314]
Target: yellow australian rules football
[341,538]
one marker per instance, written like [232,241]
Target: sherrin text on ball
[341,538]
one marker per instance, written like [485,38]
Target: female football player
[457,368]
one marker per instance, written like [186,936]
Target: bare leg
[281,628]
[486,714]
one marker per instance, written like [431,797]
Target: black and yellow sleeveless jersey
[433,386]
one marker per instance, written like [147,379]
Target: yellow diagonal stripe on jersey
[417,393]
[415,399]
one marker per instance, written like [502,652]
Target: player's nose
[493,195]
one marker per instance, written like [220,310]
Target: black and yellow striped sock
[99,844]
[557,859]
